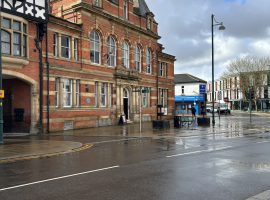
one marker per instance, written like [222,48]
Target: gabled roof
[187,78]
[141,8]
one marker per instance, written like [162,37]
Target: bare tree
[252,75]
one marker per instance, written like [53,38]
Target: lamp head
[221,27]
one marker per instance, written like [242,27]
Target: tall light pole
[221,27]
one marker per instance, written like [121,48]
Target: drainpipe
[38,41]
[157,83]
[48,84]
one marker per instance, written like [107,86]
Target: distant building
[231,90]
[189,91]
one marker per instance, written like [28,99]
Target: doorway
[126,102]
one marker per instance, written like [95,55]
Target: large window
[75,49]
[125,55]
[111,52]
[6,42]
[163,97]
[126,9]
[103,94]
[77,93]
[67,93]
[65,46]
[14,37]
[95,47]
[146,96]
[138,62]
[57,92]
[55,44]
[162,68]
[148,61]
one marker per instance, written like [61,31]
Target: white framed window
[148,61]
[75,49]
[55,45]
[125,55]
[77,93]
[103,94]
[162,69]
[13,37]
[57,92]
[65,46]
[111,95]
[67,92]
[6,42]
[96,94]
[95,47]
[163,97]
[126,9]
[138,59]
[111,59]
[146,97]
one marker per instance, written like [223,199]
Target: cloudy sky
[185,28]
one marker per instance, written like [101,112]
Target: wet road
[229,162]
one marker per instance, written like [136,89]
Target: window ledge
[14,62]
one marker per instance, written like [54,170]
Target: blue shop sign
[188,98]
[202,89]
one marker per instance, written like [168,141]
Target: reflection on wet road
[230,161]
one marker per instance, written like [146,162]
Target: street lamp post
[221,27]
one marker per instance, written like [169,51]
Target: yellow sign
[2,94]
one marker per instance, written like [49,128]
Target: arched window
[138,59]
[111,57]
[95,47]
[125,55]
[148,61]
[6,42]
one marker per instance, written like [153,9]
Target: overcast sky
[185,28]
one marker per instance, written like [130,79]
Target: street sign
[219,95]
[202,89]
[2,94]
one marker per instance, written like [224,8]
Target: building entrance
[16,106]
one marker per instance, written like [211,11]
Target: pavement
[18,146]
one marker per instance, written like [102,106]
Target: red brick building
[101,53]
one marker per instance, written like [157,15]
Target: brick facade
[84,89]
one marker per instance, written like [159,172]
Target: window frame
[125,9]
[67,95]
[57,92]
[103,94]
[138,58]
[56,45]
[111,59]
[17,31]
[149,61]
[95,47]
[77,93]
[75,49]
[67,48]
[125,55]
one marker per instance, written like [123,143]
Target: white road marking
[57,178]
[262,142]
[194,152]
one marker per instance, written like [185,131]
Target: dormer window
[97,3]
[149,22]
